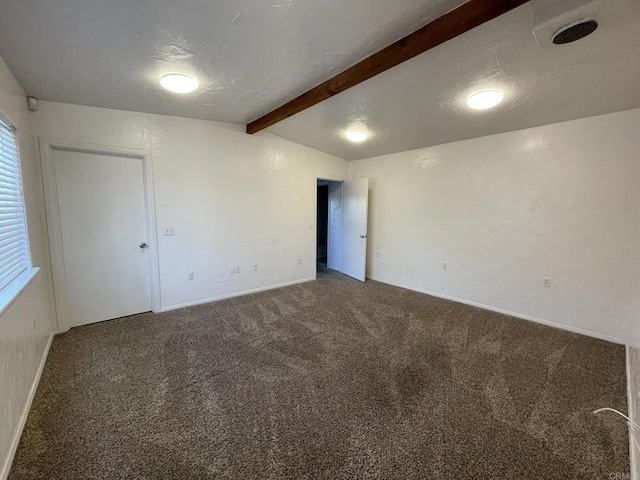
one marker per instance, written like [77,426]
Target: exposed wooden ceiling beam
[455,23]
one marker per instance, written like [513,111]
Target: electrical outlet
[191,276]
[255,267]
[445,265]
[299,261]
[546,282]
[168,231]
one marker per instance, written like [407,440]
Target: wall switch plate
[445,265]
[546,282]
[232,270]
[168,231]
[191,276]
[255,267]
[237,268]
[378,254]
[310,226]
[299,261]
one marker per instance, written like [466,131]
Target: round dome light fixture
[356,136]
[485,99]
[179,83]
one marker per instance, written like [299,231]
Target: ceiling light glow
[485,99]
[357,136]
[179,83]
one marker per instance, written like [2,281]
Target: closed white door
[355,199]
[103,228]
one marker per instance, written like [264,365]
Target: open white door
[354,228]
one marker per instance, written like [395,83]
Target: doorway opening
[322,234]
[341,226]
[329,225]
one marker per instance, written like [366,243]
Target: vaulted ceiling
[253,55]
[422,102]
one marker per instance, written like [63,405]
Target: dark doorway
[322,222]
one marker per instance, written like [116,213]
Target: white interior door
[334,243]
[355,198]
[103,228]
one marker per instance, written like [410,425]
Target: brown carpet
[331,379]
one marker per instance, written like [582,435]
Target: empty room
[331,239]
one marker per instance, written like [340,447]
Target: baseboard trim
[25,412]
[522,316]
[235,294]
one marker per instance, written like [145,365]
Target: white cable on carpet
[630,422]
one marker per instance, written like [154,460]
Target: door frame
[328,178]
[54,229]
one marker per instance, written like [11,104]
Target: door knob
[143,245]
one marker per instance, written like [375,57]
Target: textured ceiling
[253,55]
[250,55]
[423,101]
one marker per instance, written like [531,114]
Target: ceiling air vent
[575,31]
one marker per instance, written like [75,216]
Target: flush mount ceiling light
[356,136]
[179,83]
[485,99]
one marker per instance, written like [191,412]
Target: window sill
[12,291]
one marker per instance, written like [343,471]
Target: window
[14,248]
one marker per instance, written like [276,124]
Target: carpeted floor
[331,379]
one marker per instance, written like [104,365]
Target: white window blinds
[14,251]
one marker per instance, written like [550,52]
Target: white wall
[559,201]
[233,199]
[504,211]
[26,325]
